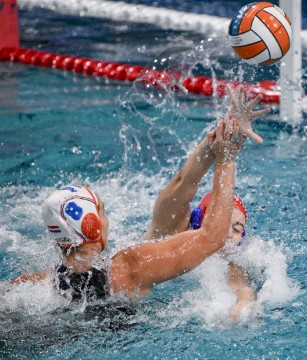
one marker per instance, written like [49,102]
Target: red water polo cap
[237,204]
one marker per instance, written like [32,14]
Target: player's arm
[32,277]
[139,268]
[171,211]
[239,282]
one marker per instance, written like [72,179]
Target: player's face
[237,227]
[104,221]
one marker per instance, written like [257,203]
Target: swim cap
[198,213]
[71,216]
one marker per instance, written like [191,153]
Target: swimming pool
[58,127]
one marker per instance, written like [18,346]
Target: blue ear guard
[195,221]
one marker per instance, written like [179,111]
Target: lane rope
[200,85]
[121,11]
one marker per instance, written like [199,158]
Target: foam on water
[30,299]
[212,298]
[268,263]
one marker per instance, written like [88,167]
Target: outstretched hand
[243,113]
[224,142]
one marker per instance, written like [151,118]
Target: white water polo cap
[71,217]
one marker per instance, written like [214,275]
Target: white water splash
[263,259]
[265,263]
[30,299]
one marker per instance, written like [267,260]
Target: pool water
[126,142]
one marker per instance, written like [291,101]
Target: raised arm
[171,211]
[139,268]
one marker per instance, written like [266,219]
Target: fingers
[228,132]
[232,130]
[236,131]
[254,102]
[231,95]
[220,131]
[256,137]
[241,95]
[261,112]
[211,135]
[242,115]
[236,95]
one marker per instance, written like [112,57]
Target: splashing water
[212,298]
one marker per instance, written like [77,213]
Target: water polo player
[172,214]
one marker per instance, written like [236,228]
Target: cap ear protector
[196,218]
[197,214]
[71,216]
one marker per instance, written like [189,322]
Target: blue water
[58,127]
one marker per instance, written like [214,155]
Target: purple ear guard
[197,217]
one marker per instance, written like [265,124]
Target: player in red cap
[172,214]
[238,223]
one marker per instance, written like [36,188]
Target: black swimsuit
[91,285]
